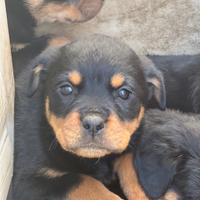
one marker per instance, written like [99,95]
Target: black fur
[35,143]
[22,57]
[168,154]
[182,81]
[20,21]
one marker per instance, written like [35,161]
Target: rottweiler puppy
[167,155]
[182,81]
[77,109]
[25,15]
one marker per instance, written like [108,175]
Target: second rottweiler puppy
[182,80]
[85,102]
[25,15]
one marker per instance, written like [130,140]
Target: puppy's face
[96,90]
[95,97]
[64,11]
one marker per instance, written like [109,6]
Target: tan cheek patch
[90,189]
[67,130]
[68,133]
[75,77]
[128,178]
[118,133]
[117,80]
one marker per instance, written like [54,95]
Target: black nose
[93,124]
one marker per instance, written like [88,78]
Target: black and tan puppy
[182,80]
[25,15]
[85,102]
[168,155]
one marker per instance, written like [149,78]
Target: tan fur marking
[18,46]
[53,12]
[34,3]
[91,153]
[117,80]
[64,12]
[91,189]
[118,133]
[38,69]
[71,137]
[67,130]
[75,77]
[155,82]
[171,195]
[50,173]
[59,41]
[128,178]
[68,133]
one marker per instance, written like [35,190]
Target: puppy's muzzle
[93,124]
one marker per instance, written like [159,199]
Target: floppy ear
[35,79]
[155,82]
[39,65]
[155,173]
[41,62]
[89,8]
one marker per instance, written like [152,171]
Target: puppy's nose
[93,124]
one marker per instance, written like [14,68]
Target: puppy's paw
[90,189]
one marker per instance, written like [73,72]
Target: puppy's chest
[102,169]
[104,172]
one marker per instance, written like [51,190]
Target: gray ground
[149,26]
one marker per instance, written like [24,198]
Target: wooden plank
[6,106]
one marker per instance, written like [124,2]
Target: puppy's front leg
[90,189]
[128,178]
[76,186]
[51,184]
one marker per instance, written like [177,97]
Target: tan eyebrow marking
[117,80]
[75,77]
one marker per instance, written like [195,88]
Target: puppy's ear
[155,82]
[35,79]
[38,65]
[89,8]
[154,172]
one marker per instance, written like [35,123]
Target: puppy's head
[95,96]
[64,11]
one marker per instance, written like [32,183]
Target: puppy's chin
[88,152]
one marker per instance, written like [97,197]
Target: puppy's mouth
[91,150]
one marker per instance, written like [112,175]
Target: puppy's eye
[66,90]
[124,93]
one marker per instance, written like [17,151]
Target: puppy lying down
[80,126]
